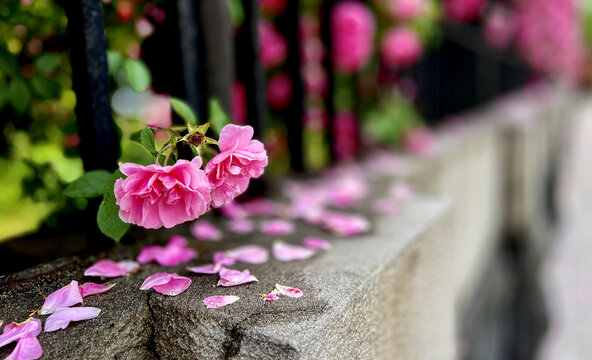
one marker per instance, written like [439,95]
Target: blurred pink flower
[279,91]
[205,231]
[241,159]
[166,283]
[405,9]
[401,47]
[240,226]
[214,302]
[287,252]
[144,28]
[230,277]
[239,103]
[419,141]
[273,48]
[314,242]
[315,79]
[345,224]
[500,26]
[63,316]
[273,7]
[108,268]
[277,227]
[352,29]
[174,253]
[156,112]
[154,196]
[261,206]
[464,10]
[67,296]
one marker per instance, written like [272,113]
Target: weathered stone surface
[383,293]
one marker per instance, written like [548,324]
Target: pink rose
[240,159]
[279,91]
[154,196]
[352,28]
[401,47]
[273,48]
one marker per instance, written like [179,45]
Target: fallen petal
[214,302]
[205,269]
[277,227]
[63,316]
[166,283]
[28,348]
[106,268]
[14,332]
[240,226]
[205,231]
[67,296]
[221,259]
[148,254]
[345,224]
[174,253]
[231,277]
[314,242]
[289,291]
[129,265]
[287,252]
[90,288]
[270,297]
[250,254]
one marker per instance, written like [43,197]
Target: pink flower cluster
[155,196]
[401,47]
[500,26]
[273,49]
[352,29]
[464,10]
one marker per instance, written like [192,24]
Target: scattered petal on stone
[14,332]
[345,224]
[385,206]
[90,288]
[214,302]
[231,277]
[271,297]
[287,252]
[110,269]
[250,254]
[174,253]
[277,227]
[205,231]
[402,191]
[240,226]
[166,283]
[27,348]
[289,291]
[221,258]
[205,269]
[63,316]
[314,242]
[67,296]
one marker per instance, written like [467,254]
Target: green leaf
[218,117]
[108,218]
[183,109]
[8,63]
[146,138]
[89,185]
[114,61]
[237,13]
[138,74]
[20,95]
[208,140]
[45,88]
[47,62]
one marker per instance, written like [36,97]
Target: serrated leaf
[183,109]
[218,118]
[108,218]
[89,185]
[137,74]
[146,138]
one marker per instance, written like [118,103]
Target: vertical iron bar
[99,145]
[288,24]
[326,9]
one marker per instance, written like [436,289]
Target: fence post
[326,8]
[99,145]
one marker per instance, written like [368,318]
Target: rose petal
[28,348]
[14,332]
[166,283]
[62,317]
[67,296]
[90,288]
[205,231]
[250,254]
[277,227]
[128,265]
[287,252]
[173,254]
[345,224]
[205,269]
[148,254]
[220,258]
[271,297]
[289,291]
[105,268]
[240,226]
[214,302]
[316,243]
[231,277]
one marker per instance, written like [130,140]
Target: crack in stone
[152,343]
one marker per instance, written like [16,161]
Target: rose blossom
[240,160]
[279,91]
[154,196]
[401,47]
[352,26]
[273,48]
